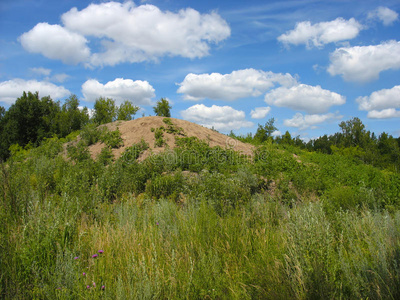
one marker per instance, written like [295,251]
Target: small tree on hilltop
[126,111]
[162,108]
[104,111]
[265,132]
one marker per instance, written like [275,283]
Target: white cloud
[41,71]
[56,42]
[382,99]
[60,77]
[322,33]
[312,99]
[223,118]
[130,33]
[138,92]
[12,89]
[384,14]
[384,114]
[381,104]
[309,121]
[238,84]
[364,63]
[260,112]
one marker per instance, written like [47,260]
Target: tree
[104,111]
[265,132]
[2,112]
[162,108]
[28,120]
[354,133]
[72,118]
[126,111]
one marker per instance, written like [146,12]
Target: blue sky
[225,64]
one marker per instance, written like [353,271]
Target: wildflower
[157,224]
[94,255]
[101,251]
[94,284]
[103,287]
[76,257]
[83,274]
[88,286]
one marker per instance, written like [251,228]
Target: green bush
[112,139]
[90,134]
[133,152]
[78,153]
[105,156]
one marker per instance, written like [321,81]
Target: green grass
[323,227]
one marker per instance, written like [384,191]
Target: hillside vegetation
[195,221]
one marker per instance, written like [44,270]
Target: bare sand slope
[134,131]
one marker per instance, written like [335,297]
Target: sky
[227,65]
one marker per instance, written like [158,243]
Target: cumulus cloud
[222,118]
[12,89]
[138,92]
[303,122]
[238,84]
[381,104]
[312,99]
[56,42]
[260,112]
[322,33]
[384,114]
[364,63]
[126,33]
[384,14]
[382,99]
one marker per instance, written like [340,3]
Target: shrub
[112,139]
[105,156]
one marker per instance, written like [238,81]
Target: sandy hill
[143,128]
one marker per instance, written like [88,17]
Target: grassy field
[207,224]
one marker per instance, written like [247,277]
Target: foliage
[105,111]
[126,111]
[265,132]
[112,139]
[31,119]
[198,222]
[91,134]
[105,156]
[159,136]
[132,153]
[71,117]
[162,108]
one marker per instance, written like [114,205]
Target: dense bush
[196,222]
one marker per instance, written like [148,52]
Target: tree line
[352,140]
[31,119]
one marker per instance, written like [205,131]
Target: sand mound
[134,131]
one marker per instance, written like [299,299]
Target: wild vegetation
[196,222]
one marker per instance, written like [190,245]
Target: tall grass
[167,232]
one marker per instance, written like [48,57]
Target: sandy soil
[133,131]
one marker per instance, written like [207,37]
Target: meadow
[196,222]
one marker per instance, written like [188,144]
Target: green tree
[286,139]
[126,111]
[354,133]
[263,133]
[28,120]
[72,118]
[105,111]
[2,112]
[162,108]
